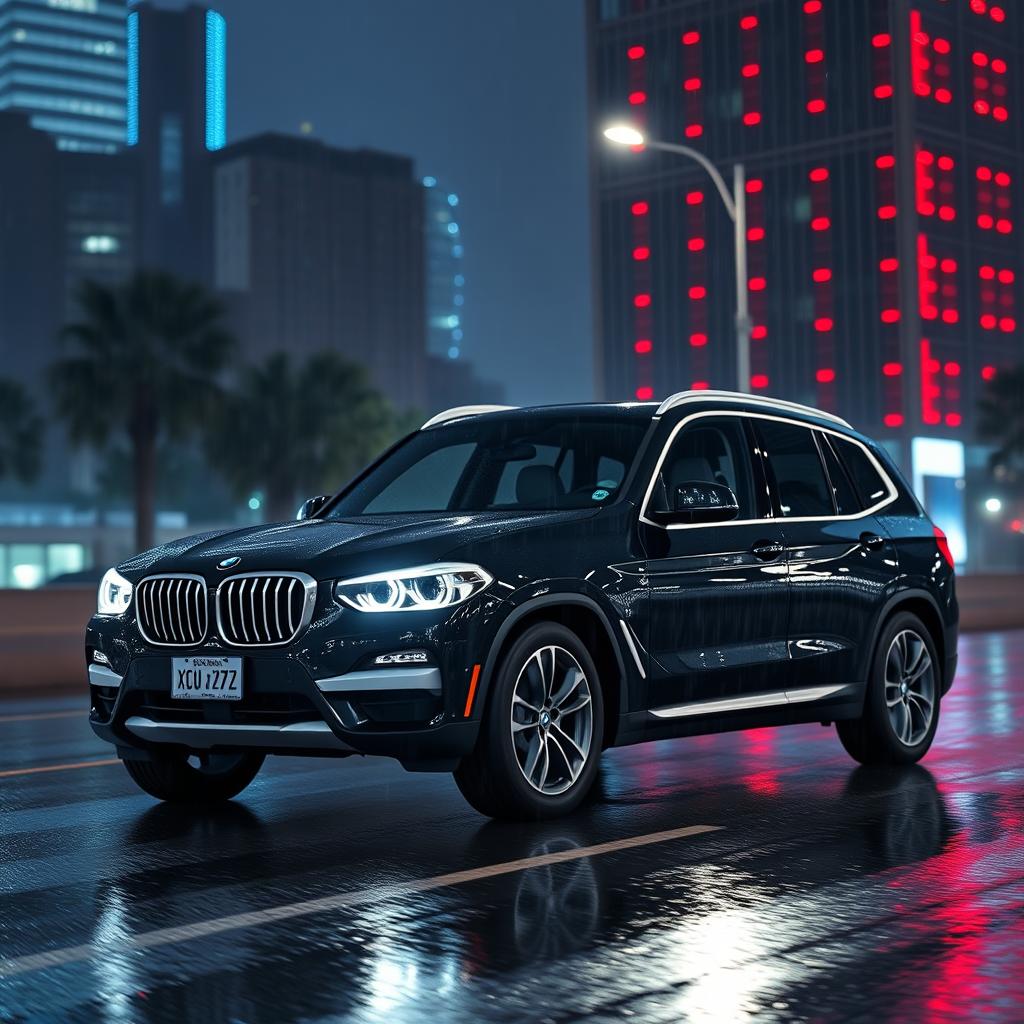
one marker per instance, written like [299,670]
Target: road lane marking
[78,713]
[58,767]
[287,911]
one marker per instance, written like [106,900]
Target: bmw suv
[507,592]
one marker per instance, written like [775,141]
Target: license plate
[205,678]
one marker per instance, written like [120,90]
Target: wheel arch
[589,621]
[923,605]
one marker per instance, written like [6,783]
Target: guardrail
[41,631]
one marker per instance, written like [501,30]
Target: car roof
[676,405]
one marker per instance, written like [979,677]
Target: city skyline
[497,109]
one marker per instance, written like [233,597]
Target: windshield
[516,464]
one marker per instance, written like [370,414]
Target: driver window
[712,450]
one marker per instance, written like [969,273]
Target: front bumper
[323,695]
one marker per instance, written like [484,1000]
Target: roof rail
[682,397]
[464,410]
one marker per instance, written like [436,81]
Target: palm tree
[144,363]
[1001,419]
[21,433]
[292,431]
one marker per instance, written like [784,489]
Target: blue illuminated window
[132,123]
[216,87]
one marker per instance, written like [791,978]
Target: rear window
[800,480]
[868,481]
[847,502]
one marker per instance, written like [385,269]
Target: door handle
[871,541]
[767,550]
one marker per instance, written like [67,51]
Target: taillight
[943,545]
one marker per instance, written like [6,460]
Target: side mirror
[311,506]
[700,501]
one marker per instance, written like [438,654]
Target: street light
[735,206]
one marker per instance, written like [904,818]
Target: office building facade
[64,63]
[883,157]
[445,271]
[321,248]
[176,118]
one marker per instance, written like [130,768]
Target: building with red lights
[883,157]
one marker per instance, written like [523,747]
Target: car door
[840,559]
[718,593]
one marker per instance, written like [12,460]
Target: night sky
[488,96]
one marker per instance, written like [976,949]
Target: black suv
[506,592]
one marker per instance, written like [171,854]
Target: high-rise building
[30,257]
[322,248]
[63,62]
[883,155]
[176,100]
[446,279]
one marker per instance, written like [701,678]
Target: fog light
[402,658]
[100,658]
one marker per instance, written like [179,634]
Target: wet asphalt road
[824,892]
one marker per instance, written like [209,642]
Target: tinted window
[511,463]
[869,483]
[709,450]
[429,483]
[847,502]
[793,457]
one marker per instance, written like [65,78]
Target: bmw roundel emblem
[228,563]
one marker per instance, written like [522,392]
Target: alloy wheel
[909,687]
[552,720]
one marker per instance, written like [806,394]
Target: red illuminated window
[937,284]
[698,315]
[750,69]
[757,261]
[935,185]
[815,71]
[881,58]
[823,322]
[693,104]
[991,85]
[931,73]
[642,278]
[996,298]
[993,200]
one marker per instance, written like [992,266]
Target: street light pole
[736,207]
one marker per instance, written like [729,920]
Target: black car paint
[707,617]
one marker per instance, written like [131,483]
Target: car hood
[333,548]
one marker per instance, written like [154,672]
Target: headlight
[424,588]
[115,594]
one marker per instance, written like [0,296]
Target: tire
[901,705]
[516,741]
[171,777]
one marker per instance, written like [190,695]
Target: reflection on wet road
[353,891]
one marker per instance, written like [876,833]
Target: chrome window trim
[172,576]
[461,411]
[308,583]
[740,414]
[686,397]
